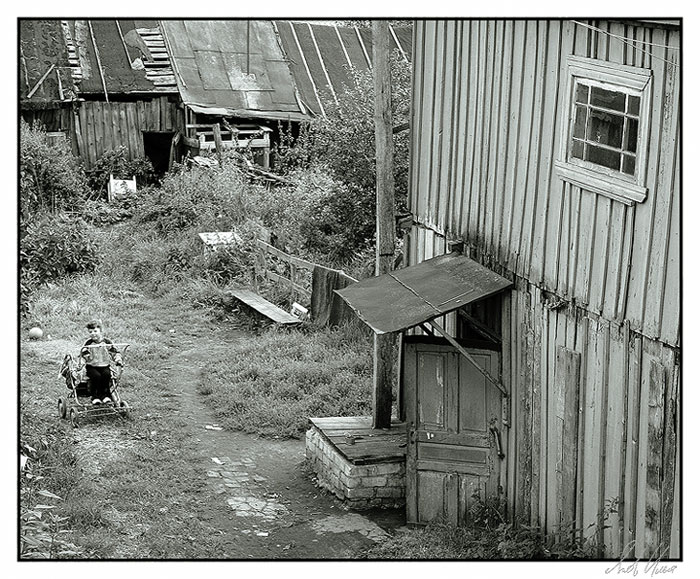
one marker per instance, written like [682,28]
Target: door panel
[432,373]
[451,458]
[472,488]
[431,493]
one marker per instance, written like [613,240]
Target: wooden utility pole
[384,343]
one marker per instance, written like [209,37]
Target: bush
[53,247]
[342,221]
[317,217]
[99,212]
[336,225]
[211,199]
[344,139]
[117,163]
[50,177]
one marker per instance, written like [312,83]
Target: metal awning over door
[408,297]
[417,294]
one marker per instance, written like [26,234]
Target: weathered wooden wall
[101,126]
[593,420]
[593,423]
[487,122]
[594,383]
[54,119]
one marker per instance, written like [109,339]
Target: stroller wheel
[61,408]
[74,418]
[123,408]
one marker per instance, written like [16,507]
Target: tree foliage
[343,145]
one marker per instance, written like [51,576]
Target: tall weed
[272,385]
[50,177]
[213,199]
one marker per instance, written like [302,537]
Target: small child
[98,352]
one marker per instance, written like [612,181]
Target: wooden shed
[546,152]
[162,88]
[114,86]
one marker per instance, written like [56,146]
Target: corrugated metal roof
[248,68]
[408,297]
[320,55]
[232,67]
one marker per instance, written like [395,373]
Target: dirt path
[260,499]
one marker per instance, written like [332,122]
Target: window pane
[631,137]
[608,99]
[605,128]
[577,149]
[582,93]
[580,122]
[628,164]
[604,157]
[633,105]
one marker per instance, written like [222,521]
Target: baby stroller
[77,405]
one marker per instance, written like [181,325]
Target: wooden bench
[261,305]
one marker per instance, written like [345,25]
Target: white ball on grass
[36,333]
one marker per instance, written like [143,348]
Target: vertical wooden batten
[568,372]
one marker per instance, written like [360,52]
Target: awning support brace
[468,356]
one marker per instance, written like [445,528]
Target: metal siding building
[591,329]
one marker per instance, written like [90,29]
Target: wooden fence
[311,284]
[293,268]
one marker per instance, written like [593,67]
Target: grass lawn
[132,488]
[273,384]
[140,502]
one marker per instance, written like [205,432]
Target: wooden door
[452,415]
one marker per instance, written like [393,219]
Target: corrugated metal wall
[486,126]
[594,383]
[102,126]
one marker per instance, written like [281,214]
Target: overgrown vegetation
[342,145]
[488,536]
[272,385]
[117,163]
[326,214]
[50,177]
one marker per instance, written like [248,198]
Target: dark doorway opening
[157,146]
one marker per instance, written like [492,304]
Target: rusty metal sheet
[216,72]
[407,297]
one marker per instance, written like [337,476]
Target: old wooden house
[104,84]
[165,88]
[545,192]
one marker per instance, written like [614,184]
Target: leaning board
[261,305]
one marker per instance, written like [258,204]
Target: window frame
[628,189]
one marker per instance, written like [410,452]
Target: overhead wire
[633,43]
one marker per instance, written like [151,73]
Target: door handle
[412,436]
[497,438]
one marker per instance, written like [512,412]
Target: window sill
[610,186]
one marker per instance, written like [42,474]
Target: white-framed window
[606,120]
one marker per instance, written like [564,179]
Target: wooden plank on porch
[359,443]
